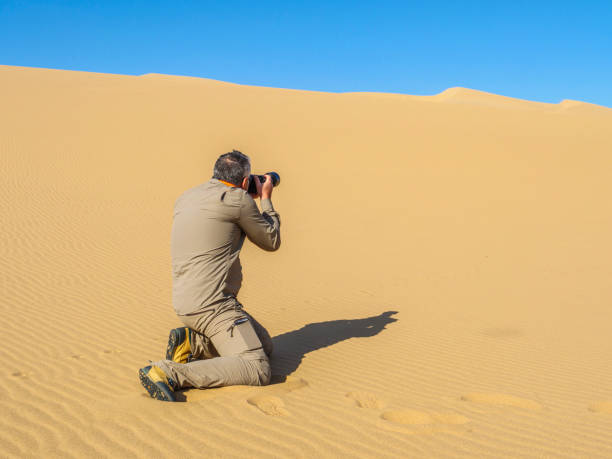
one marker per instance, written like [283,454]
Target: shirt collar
[228,183]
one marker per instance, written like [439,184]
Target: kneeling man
[221,344]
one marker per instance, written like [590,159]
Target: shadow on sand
[291,347]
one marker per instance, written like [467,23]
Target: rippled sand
[443,287]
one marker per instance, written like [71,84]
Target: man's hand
[265,190]
[258,186]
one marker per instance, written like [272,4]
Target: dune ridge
[442,288]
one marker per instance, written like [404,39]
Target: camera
[262,178]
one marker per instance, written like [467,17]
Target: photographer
[220,344]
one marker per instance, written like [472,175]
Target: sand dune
[443,288]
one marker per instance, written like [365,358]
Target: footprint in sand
[272,405]
[20,374]
[366,400]
[502,400]
[416,421]
[111,351]
[602,407]
[289,385]
[420,418]
[269,404]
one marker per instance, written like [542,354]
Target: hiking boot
[179,347]
[157,383]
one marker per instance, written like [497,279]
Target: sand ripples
[415,330]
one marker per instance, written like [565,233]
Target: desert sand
[442,290]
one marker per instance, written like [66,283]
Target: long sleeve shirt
[209,225]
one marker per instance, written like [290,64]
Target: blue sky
[537,50]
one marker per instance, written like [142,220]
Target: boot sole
[154,390]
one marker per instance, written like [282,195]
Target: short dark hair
[232,167]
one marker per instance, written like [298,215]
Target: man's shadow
[291,347]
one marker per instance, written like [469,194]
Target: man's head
[232,167]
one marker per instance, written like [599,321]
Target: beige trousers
[232,348]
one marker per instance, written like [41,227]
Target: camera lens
[275,178]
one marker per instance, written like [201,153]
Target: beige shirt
[209,225]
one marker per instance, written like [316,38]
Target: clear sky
[538,50]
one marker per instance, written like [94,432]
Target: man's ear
[245,184]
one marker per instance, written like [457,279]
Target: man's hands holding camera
[264,190]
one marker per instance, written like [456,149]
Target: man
[220,344]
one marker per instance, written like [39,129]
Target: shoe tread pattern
[154,390]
